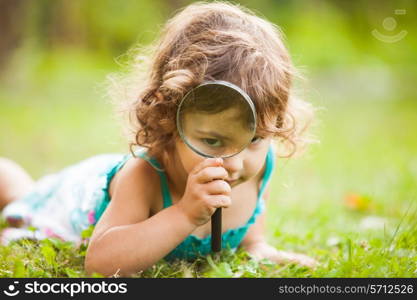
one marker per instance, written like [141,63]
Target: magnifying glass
[216,119]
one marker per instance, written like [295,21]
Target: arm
[120,240]
[126,240]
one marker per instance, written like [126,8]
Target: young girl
[157,201]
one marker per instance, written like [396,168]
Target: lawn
[350,201]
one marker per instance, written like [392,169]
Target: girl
[157,201]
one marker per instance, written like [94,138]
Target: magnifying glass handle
[216,230]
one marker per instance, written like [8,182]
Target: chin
[236,182]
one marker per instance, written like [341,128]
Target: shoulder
[138,166]
[136,175]
[133,191]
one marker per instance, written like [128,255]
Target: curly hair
[210,41]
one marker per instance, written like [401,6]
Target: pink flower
[91,217]
[50,233]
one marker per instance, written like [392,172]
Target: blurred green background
[359,59]
[55,55]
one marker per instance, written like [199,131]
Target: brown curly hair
[210,41]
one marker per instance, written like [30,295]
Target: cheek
[189,159]
[254,165]
[256,160]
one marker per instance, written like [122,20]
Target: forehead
[227,131]
[227,120]
[231,114]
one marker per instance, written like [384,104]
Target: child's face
[240,167]
[220,134]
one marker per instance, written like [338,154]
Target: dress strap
[166,196]
[260,204]
[269,166]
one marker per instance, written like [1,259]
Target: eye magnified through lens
[216,119]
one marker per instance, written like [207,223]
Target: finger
[220,201]
[209,174]
[218,187]
[208,162]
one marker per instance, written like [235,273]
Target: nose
[233,164]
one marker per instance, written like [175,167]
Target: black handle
[216,230]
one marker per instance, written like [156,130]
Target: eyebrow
[212,133]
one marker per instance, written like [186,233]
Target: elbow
[93,266]
[96,263]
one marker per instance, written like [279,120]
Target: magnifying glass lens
[216,119]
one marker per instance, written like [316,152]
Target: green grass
[367,153]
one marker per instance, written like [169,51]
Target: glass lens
[216,119]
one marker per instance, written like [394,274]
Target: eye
[212,142]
